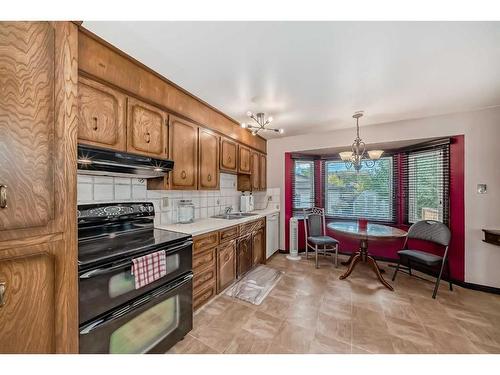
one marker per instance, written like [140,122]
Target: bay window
[367,194]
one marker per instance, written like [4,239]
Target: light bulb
[243,125]
[270,118]
[281,131]
[249,113]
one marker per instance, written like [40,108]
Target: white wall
[482,165]
[100,189]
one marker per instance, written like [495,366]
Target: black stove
[110,231]
[116,316]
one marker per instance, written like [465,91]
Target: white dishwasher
[272,233]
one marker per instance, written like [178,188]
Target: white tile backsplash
[207,203]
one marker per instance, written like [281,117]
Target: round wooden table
[372,232]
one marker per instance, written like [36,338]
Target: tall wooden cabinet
[38,127]
[208,160]
[183,144]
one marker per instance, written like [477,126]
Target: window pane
[303,185]
[425,186]
[365,194]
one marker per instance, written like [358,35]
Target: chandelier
[357,156]
[262,122]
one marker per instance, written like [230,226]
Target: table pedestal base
[362,255]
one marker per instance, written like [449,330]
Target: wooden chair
[315,230]
[432,231]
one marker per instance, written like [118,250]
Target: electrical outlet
[270,198]
[218,202]
[164,202]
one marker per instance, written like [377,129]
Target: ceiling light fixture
[262,122]
[356,156]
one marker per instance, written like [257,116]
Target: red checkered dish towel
[149,268]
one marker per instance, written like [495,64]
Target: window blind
[369,193]
[303,178]
[427,184]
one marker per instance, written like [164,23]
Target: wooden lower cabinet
[244,257]
[203,295]
[258,246]
[27,303]
[220,257]
[226,265]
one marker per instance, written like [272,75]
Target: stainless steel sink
[233,215]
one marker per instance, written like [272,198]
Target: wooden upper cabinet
[27,317]
[208,162]
[101,115]
[183,142]
[255,176]
[263,172]
[228,155]
[27,124]
[147,129]
[243,159]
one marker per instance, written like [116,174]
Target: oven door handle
[136,304]
[105,270]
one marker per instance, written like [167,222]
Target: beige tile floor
[312,311]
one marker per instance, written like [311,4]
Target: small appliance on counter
[246,203]
[124,308]
[185,211]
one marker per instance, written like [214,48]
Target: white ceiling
[311,76]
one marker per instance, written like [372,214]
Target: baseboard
[463,284]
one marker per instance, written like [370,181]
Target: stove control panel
[115,210]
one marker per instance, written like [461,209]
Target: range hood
[96,161]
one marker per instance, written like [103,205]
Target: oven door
[106,287]
[152,323]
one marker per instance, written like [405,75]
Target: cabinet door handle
[3,196]
[147,137]
[3,287]
[95,123]
[183,175]
[209,177]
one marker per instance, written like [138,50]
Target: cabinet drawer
[205,241]
[202,296]
[252,226]
[228,234]
[204,260]
[201,279]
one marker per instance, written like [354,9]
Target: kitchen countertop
[201,226]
